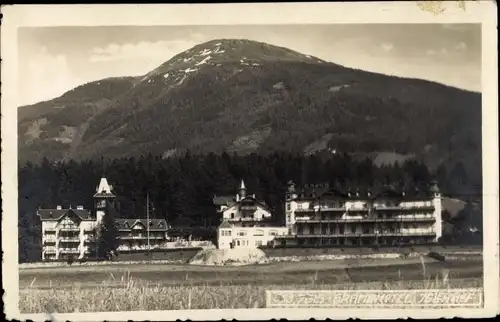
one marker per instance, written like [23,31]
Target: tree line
[182,188]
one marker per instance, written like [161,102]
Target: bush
[437,256]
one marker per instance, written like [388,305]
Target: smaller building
[135,235]
[246,221]
[71,233]
[231,236]
[244,210]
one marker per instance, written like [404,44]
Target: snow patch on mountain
[182,80]
[205,52]
[204,61]
[189,70]
[218,51]
[34,130]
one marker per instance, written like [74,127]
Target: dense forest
[181,188]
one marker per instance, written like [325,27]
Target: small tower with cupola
[103,198]
[290,204]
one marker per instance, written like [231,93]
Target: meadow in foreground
[135,295]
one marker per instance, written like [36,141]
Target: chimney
[59,207]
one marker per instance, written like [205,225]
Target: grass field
[168,287]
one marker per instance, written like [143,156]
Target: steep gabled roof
[251,199]
[335,193]
[104,189]
[58,214]
[128,224]
[82,214]
[388,192]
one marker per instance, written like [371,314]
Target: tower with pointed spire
[102,198]
[242,190]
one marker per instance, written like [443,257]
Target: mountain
[245,96]
[54,128]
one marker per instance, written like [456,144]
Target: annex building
[246,221]
[71,233]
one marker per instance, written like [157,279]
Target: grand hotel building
[321,215]
[71,232]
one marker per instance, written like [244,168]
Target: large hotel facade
[71,233]
[318,215]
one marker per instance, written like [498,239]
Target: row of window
[362,241]
[226,232]
[246,243]
[232,216]
[395,216]
[427,203]
[365,229]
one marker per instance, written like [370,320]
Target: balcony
[366,220]
[69,228]
[246,219]
[51,240]
[403,208]
[69,239]
[248,208]
[308,210]
[358,209]
[141,237]
[69,251]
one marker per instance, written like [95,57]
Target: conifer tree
[107,234]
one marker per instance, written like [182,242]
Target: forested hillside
[244,96]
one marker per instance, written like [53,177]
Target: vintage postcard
[250,161]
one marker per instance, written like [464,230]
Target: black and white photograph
[230,166]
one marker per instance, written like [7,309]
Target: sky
[53,60]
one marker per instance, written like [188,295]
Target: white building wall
[100,215]
[438,208]
[49,225]
[86,225]
[248,237]
[356,204]
[82,235]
